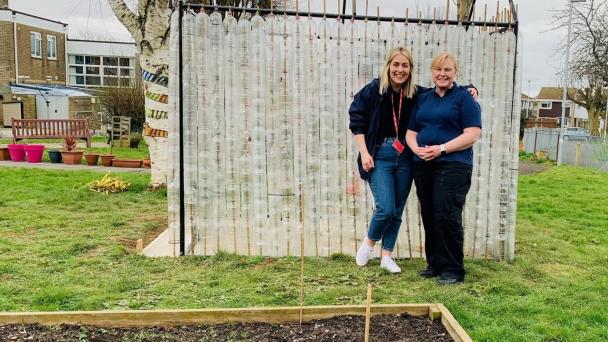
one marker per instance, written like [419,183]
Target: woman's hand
[429,153]
[367,161]
[473,92]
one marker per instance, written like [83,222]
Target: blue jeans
[390,182]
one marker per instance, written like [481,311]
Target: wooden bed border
[139,318]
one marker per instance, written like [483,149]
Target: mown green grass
[65,248]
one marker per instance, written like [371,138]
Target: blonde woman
[379,116]
[444,125]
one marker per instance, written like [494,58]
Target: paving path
[61,166]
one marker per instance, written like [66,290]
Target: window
[110,61]
[546,105]
[78,80]
[110,71]
[93,80]
[76,70]
[126,72]
[92,60]
[92,70]
[36,44]
[110,81]
[104,71]
[51,47]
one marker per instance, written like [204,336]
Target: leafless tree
[589,55]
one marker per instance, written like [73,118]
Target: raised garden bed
[320,323]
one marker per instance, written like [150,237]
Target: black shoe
[428,273]
[449,281]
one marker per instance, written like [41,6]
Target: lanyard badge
[397,145]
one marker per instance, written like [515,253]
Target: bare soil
[529,167]
[341,328]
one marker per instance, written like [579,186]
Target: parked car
[576,133]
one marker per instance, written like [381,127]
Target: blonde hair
[442,57]
[385,77]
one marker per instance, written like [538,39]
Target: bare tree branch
[125,16]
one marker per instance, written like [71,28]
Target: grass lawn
[67,248]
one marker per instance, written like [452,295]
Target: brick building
[545,110]
[45,75]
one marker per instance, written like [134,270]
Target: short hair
[442,57]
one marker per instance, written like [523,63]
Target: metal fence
[592,153]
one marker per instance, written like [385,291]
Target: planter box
[132,163]
[280,315]
[4,153]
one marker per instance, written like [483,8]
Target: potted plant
[54,156]
[134,139]
[69,154]
[92,158]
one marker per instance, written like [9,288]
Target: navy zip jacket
[364,115]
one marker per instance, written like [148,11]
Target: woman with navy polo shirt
[444,125]
[379,115]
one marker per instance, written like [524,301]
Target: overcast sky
[93,19]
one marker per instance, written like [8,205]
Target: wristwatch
[443,150]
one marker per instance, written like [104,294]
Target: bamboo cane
[368,311]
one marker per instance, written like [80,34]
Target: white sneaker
[364,254]
[389,264]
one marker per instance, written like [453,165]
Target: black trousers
[442,188]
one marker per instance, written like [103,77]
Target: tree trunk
[150,30]
[464,6]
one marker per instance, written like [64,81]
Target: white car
[576,133]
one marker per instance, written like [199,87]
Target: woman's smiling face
[444,74]
[399,70]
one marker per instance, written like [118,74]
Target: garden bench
[51,129]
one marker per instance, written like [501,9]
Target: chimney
[3,4]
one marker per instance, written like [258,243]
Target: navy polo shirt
[440,119]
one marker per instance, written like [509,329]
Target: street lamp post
[565,85]
[606,115]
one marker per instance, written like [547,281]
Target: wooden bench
[51,129]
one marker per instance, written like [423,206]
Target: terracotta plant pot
[106,159]
[92,158]
[72,157]
[54,156]
[147,163]
[132,163]
[4,153]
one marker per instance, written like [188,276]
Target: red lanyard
[395,117]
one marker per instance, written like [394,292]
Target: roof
[34,16]
[47,90]
[99,41]
[554,93]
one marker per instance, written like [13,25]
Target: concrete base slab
[161,246]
